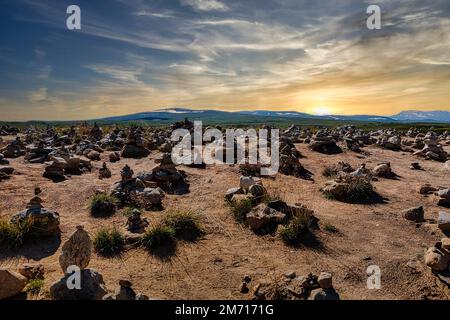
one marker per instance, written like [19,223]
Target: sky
[301,55]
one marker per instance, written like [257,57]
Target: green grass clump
[328,227]
[34,286]
[14,235]
[108,242]
[297,229]
[240,208]
[127,211]
[103,204]
[186,224]
[158,236]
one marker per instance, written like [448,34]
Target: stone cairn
[96,132]
[135,223]
[432,149]
[390,140]
[5,173]
[44,222]
[3,161]
[135,146]
[104,172]
[166,176]
[38,153]
[289,161]
[76,253]
[437,258]
[125,292]
[136,191]
[54,169]
[324,142]
[289,286]
[14,149]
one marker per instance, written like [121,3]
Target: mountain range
[176,114]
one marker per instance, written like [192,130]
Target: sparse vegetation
[108,242]
[127,211]
[186,224]
[34,286]
[103,204]
[240,209]
[158,236]
[328,227]
[14,235]
[296,230]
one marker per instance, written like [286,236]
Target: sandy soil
[213,267]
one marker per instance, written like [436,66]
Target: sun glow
[322,111]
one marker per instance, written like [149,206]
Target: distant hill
[423,116]
[176,114]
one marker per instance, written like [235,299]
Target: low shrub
[158,236]
[103,204]
[186,224]
[108,242]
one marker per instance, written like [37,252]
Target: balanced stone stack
[132,191]
[55,169]
[166,176]
[104,172]
[135,146]
[43,222]
[96,132]
[290,286]
[125,292]
[289,161]
[14,149]
[323,142]
[390,141]
[5,173]
[38,154]
[432,149]
[76,254]
[135,223]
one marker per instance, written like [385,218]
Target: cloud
[37,95]
[206,5]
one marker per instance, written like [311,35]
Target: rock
[246,182]
[32,270]
[125,292]
[321,294]
[447,165]
[135,224]
[415,166]
[325,280]
[290,274]
[77,250]
[426,189]
[114,157]
[11,282]
[414,214]
[244,288]
[257,191]
[104,172]
[383,170]
[92,287]
[93,155]
[444,193]
[231,192]
[445,244]
[262,216]
[436,259]
[43,222]
[444,221]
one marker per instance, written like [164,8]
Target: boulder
[92,287]
[262,216]
[231,192]
[11,283]
[76,251]
[414,214]
[436,259]
[32,270]
[426,189]
[323,294]
[325,280]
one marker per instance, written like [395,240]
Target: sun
[322,111]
